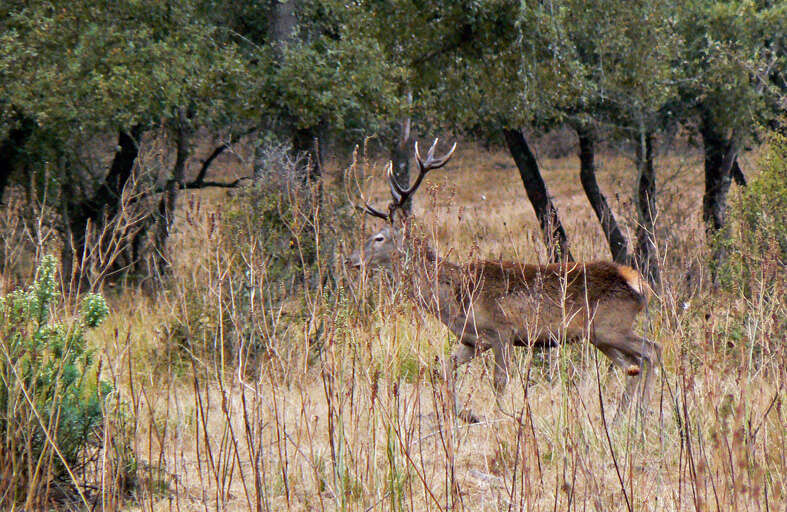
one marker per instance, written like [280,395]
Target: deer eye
[379,238]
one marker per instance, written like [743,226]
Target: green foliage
[461,60]
[79,74]
[95,66]
[49,392]
[756,236]
[726,48]
[341,83]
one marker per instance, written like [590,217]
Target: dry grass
[357,418]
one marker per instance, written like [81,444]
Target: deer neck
[424,276]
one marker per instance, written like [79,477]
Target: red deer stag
[500,304]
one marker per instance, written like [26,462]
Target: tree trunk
[737,174]
[721,167]
[618,245]
[106,199]
[306,142]
[67,252]
[400,158]
[168,202]
[11,150]
[5,174]
[720,158]
[554,234]
[646,253]
[105,203]
[282,23]
[307,151]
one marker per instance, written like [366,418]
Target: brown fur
[527,304]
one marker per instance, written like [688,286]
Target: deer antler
[400,195]
[366,208]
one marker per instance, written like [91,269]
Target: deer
[499,305]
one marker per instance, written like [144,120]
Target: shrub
[757,229]
[282,234]
[273,247]
[50,396]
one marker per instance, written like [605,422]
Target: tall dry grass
[332,397]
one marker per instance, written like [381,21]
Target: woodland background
[177,328]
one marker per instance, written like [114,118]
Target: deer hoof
[468,417]
[438,374]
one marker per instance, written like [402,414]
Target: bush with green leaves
[757,229]
[50,395]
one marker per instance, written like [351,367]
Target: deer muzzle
[354,260]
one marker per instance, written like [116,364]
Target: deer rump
[489,302]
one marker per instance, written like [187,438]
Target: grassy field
[239,396]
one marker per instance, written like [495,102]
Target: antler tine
[430,164]
[400,195]
[396,190]
[443,159]
[366,208]
[430,153]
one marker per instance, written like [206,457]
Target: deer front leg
[502,351]
[648,355]
[636,357]
[461,355]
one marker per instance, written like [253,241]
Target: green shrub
[49,392]
[274,220]
[756,237]
[281,237]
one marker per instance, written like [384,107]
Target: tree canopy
[337,71]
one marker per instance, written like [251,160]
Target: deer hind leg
[502,352]
[636,357]
[649,358]
[622,361]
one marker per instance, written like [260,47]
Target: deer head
[378,249]
[381,248]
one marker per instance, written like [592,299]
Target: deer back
[532,301]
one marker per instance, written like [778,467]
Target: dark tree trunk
[618,245]
[554,234]
[105,203]
[67,252]
[5,174]
[168,202]
[11,151]
[199,181]
[646,253]
[400,159]
[308,153]
[720,159]
[737,174]
[306,142]
[106,199]
[282,23]
[721,167]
